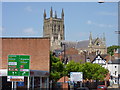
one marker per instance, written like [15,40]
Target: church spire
[104,39]
[55,14]
[44,13]
[90,39]
[62,14]
[51,12]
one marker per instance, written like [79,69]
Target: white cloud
[29,31]
[108,13]
[28,8]
[89,22]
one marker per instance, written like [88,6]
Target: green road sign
[18,65]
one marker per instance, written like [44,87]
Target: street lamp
[85,52]
[64,61]
[62,44]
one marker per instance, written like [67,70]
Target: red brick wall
[71,51]
[38,48]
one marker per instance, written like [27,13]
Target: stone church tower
[54,29]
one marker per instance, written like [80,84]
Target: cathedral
[54,29]
[96,45]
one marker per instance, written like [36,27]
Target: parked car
[101,87]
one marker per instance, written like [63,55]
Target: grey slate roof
[116,61]
[69,44]
[80,44]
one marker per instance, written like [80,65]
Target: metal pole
[12,85]
[33,82]
[15,87]
[85,56]
[44,82]
[64,60]
[64,52]
[40,83]
[80,83]
[47,83]
[28,84]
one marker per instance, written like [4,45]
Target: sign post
[18,67]
[76,76]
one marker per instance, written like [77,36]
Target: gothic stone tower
[54,29]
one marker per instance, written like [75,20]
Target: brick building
[38,49]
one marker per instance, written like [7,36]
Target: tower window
[58,28]
[55,38]
[55,28]
[52,29]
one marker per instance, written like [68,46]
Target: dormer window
[97,43]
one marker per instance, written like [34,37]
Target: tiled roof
[116,61]
[83,44]
[79,44]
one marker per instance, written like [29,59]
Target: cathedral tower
[54,28]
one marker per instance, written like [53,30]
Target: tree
[110,49]
[56,68]
[72,67]
[90,71]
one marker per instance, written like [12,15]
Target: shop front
[37,80]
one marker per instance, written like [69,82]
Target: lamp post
[63,44]
[85,54]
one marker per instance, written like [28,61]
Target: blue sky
[26,19]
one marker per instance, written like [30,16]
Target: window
[97,43]
[55,28]
[58,28]
[115,72]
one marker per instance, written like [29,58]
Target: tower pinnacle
[44,13]
[62,14]
[90,39]
[55,14]
[51,12]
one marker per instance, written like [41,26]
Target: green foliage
[53,59]
[57,68]
[110,50]
[72,67]
[90,71]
